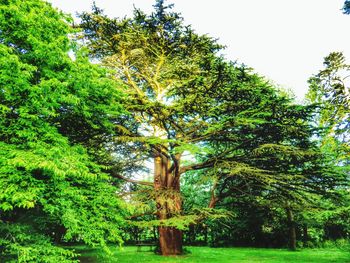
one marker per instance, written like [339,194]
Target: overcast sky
[283,40]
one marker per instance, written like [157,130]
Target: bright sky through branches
[282,40]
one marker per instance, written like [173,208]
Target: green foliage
[185,99]
[30,246]
[183,222]
[236,142]
[225,255]
[330,88]
[55,114]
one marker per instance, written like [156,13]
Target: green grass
[221,255]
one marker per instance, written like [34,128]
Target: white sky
[283,40]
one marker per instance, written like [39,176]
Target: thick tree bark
[170,241]
[292,231]
[167,187]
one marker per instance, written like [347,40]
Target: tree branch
[197,166]
[213,198]
[119,176]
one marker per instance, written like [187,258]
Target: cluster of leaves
[330,88]
[28,246]
[183,222]
[55,115]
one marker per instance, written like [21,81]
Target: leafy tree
[53,110]
[185,99]
[330,88]
[299,174]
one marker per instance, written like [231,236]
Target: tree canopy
[186,99]
[330,89]
[52,187]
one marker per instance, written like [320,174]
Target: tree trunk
[305,235]
[170,241]
[213,201]
[167,187]
[292,231]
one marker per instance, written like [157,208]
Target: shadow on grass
[87,255]
[87,259]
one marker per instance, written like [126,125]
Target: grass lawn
[225,255]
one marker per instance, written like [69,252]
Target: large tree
[54,112]
[189,109]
